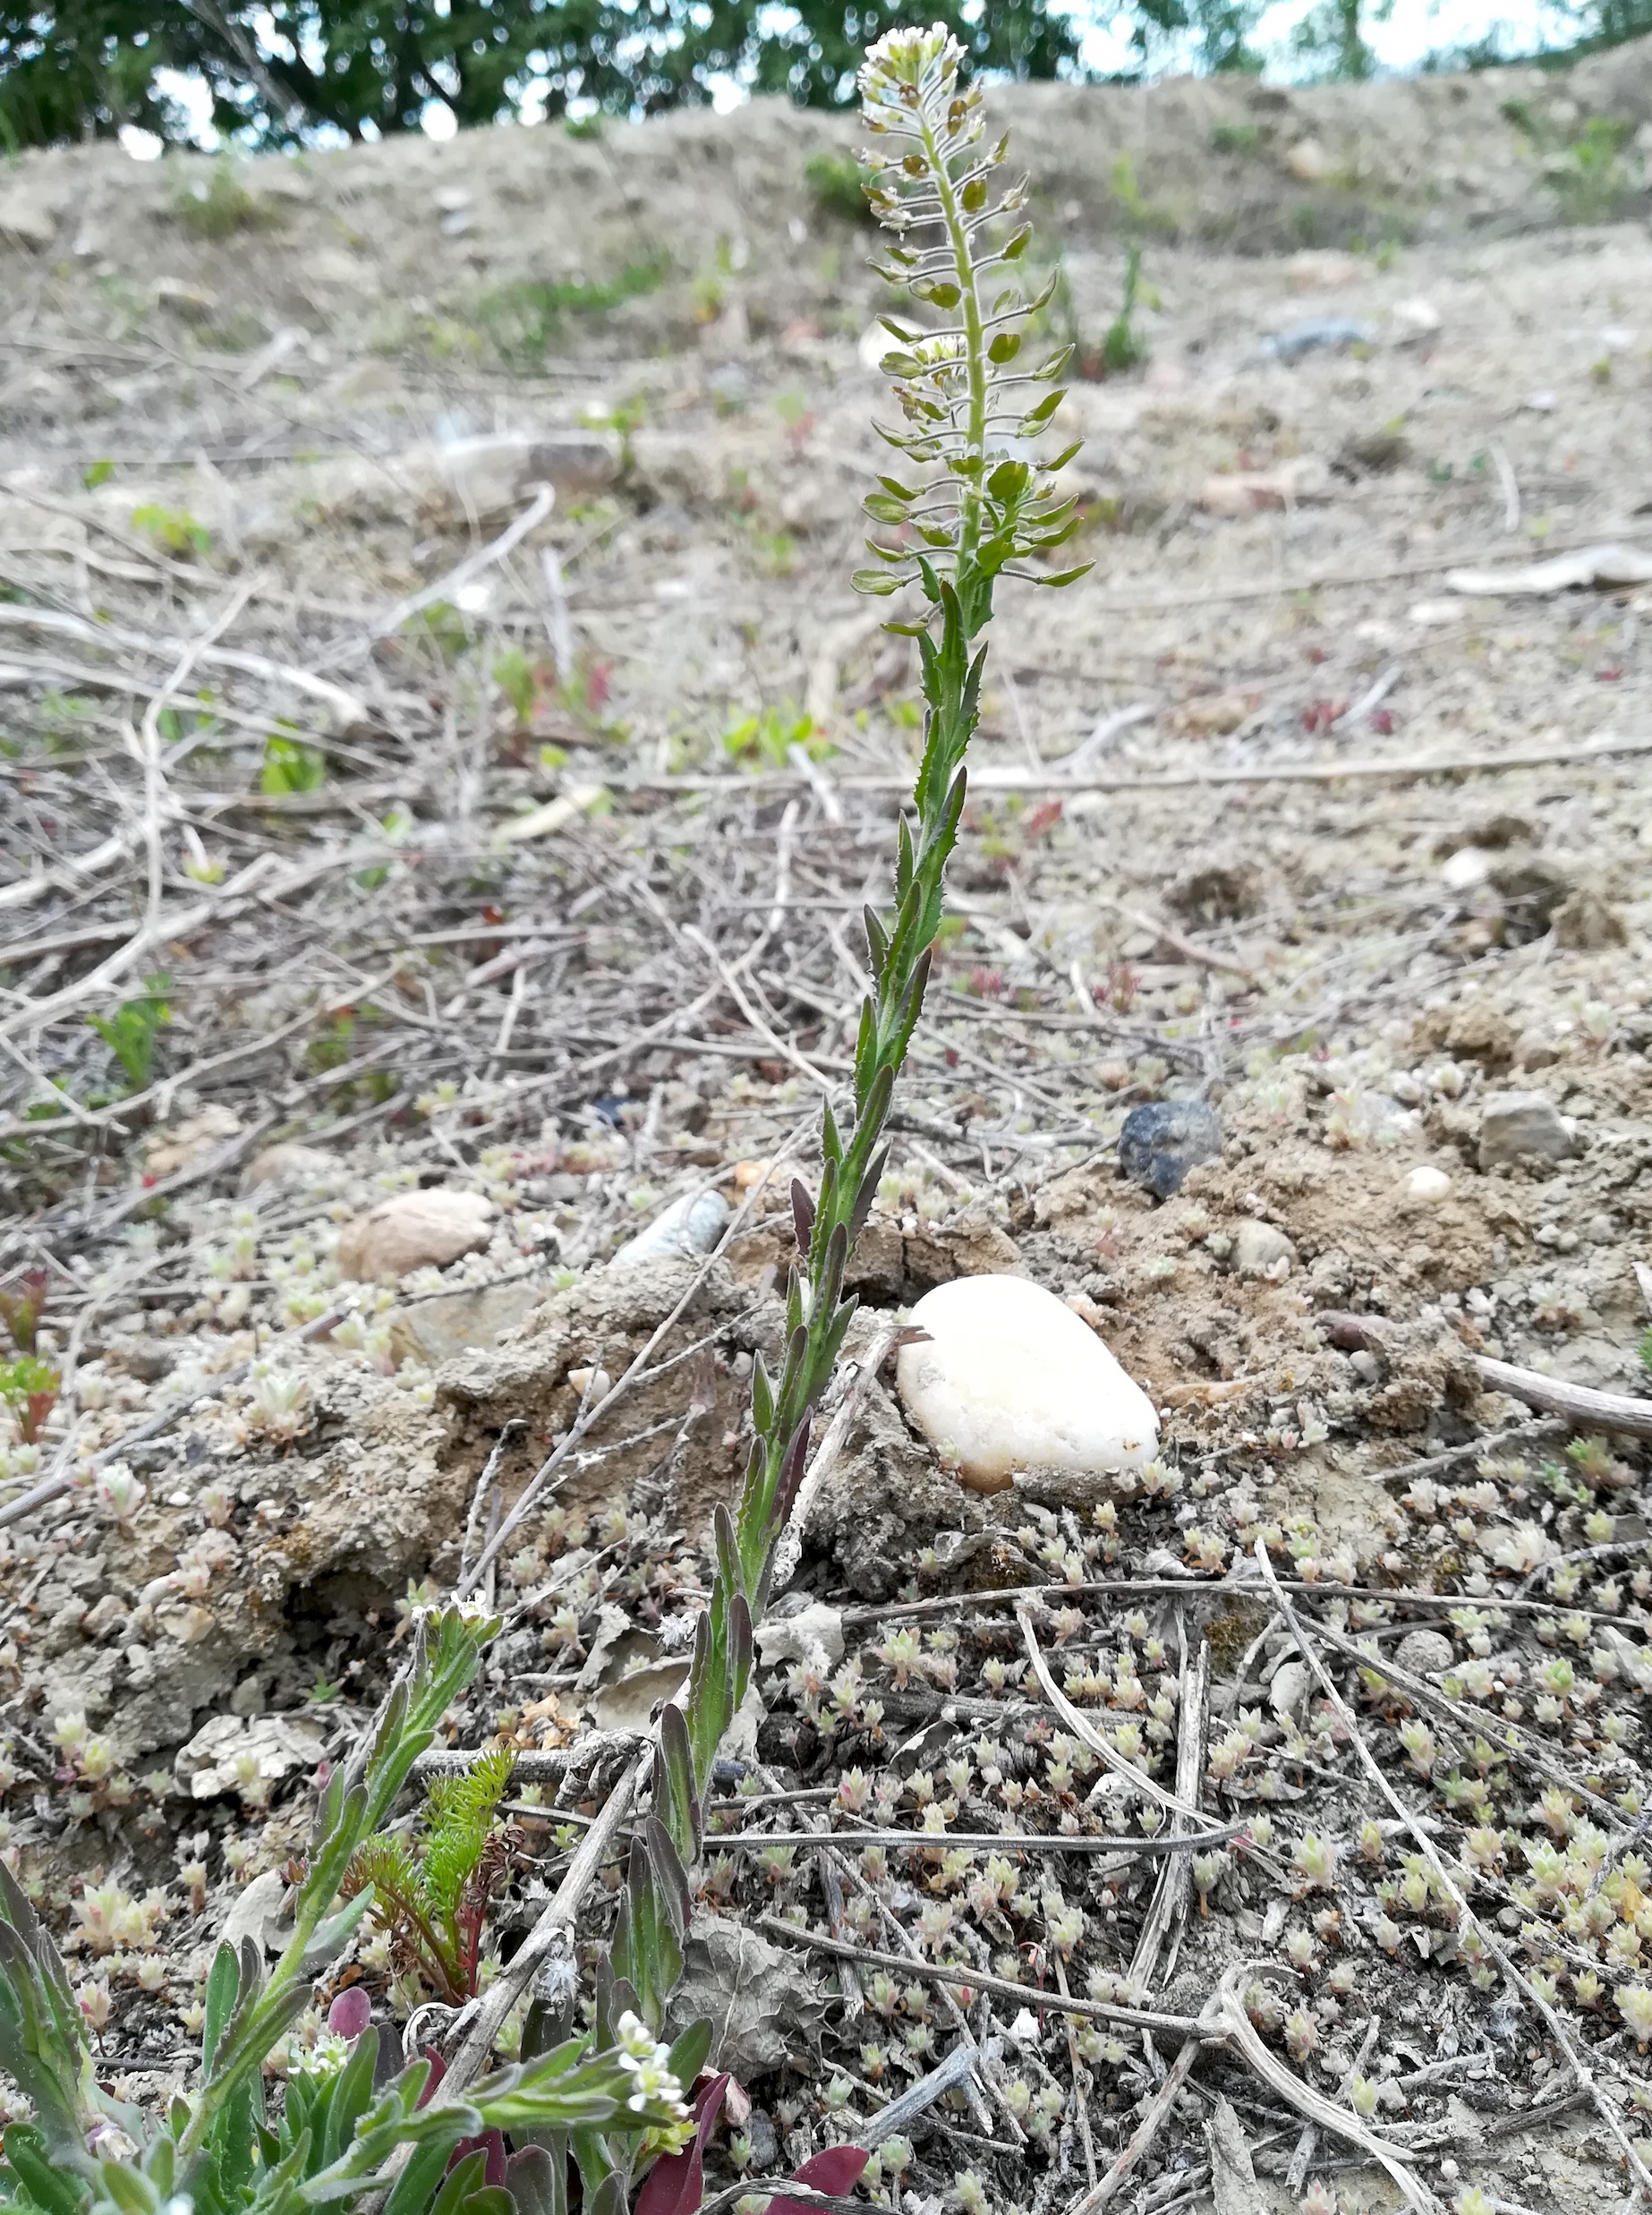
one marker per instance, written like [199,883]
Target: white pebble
[1426,1185]
[1011,1379]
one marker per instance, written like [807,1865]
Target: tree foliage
[283,72]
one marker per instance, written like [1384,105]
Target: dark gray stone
[1159,1145]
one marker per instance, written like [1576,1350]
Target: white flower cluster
[648,2063]
[983,500]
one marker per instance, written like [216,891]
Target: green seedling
[433,1901]
[1599,179]
[29,1386]
[522,320]
[172,529]
[21,1309]
[289,765]
[1122,348]
[622,416]
[131,1032]
[766,739]
[217,204]
[520,680]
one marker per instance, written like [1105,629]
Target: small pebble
[412,1230]
[1159,1145]
[1259,1248]
[1470,865]
[1517,1124]
[1010,1379]
[1426,1184]
[691,1225]
[1425,1653]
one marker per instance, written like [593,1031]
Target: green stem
[975,347]
[958,583]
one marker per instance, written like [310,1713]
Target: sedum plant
[971,504]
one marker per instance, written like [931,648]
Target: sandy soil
[1286,806]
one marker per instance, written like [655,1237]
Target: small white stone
[1010,1378]
[1308,162]
[412,1230]
[1262,1249]
[1426,1185]
[288,1162]
[691,1225]
[1470,865]
[1291,1685]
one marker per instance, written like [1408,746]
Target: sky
[1401,39]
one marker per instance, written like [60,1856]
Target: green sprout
[1121,349]
[172,529]
[29,1388]
[522,318]
[132,1032]
[433,1903]
[767,738]
[289,766]
[216,206]
[21,1310]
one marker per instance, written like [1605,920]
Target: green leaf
[334,1934]
[410,2194]
[681,1795]
[223,1989]
[290,766]
[52,2188]
[127,2189]
[690,2051]
[353,2091]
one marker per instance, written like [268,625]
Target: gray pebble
[1160,1144]
[1425,1653]
[1515,1124]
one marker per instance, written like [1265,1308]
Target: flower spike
[983,504]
